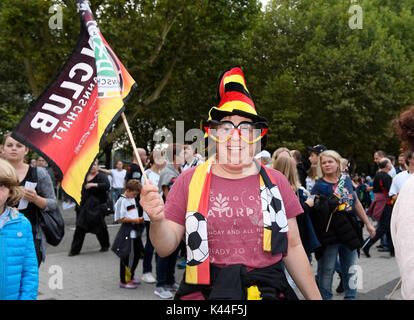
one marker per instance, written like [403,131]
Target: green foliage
[319,81]
[315,79]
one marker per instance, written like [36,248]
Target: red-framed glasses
[250,132]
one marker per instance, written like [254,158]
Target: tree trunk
[30,76]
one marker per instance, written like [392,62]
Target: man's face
[142,155]
[401,161]
[235,152]
[41,162]
[377,158]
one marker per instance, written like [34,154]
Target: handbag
[52,225]
[51,222]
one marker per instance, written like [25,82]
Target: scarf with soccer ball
[275,232]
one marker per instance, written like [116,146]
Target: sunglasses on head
[250,132]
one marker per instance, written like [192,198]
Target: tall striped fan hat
[234,98]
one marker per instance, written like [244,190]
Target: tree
[318,81]
[174,49]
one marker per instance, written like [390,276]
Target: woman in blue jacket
[19,275]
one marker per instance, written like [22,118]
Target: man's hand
[152,202]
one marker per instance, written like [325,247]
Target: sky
[264,2]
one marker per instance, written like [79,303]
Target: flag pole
[134,147]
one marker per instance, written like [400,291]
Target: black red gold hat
[234,98]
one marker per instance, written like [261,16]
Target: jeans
[165,268]
[116,192]
[148,251]
[326,270]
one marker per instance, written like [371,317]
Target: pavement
[94,275]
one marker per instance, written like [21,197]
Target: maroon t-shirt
[234,217]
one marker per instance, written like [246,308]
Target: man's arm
[106,171]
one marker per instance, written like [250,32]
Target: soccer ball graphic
[269,214]
[196,238]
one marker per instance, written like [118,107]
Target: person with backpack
[127,244]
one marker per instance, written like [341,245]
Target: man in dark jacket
[381,186]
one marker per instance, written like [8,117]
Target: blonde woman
[41,198]
[336,230]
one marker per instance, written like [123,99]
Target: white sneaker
[163,293]
[148,278]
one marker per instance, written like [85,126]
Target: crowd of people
[245,223]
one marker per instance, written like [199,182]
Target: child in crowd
[127,244]
[19,275]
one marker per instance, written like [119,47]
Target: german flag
[68,122]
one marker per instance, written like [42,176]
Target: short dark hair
[133,185]
[383,163]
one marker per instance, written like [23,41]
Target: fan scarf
[275,232]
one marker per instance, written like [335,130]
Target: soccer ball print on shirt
[196,238]
[269,214]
